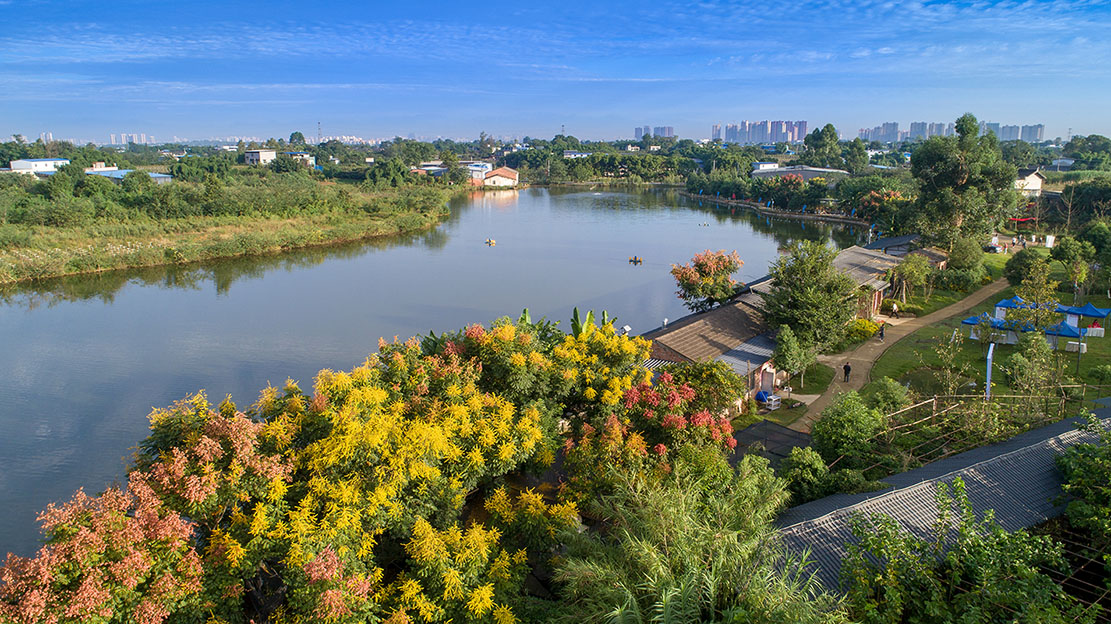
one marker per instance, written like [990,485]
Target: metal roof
[750,354]
[1017,478]
[118,174]
[892,241]
[775,440]
[41,160]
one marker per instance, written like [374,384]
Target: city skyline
[203,70]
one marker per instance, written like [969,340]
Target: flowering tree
[118,557]
[707,281]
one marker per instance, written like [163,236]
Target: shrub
[960,280]
[860,330]
[806,473]
[904,308]
[889,396]
[846,428]
[1020,265]
[966,255]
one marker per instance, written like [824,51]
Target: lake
[87,357]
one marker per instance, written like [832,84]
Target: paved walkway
[862,358]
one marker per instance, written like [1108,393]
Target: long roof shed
[1018,478]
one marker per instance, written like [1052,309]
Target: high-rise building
[1033,134]
[951,129]
[715,132]
[662,131]
[1008,133]
[646,131]
[935,129]
[990,126]
[918,130]
[800,130]
[638,133]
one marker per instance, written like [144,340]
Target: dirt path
[862,358]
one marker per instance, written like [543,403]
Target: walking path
[862,358]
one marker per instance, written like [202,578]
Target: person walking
[894,309]
[848,369]
[883,326]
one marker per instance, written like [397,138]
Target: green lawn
[818,377]
[913,358]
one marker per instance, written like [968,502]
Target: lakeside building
[502,176]
[259,156]
[1029,182]
[806,172]
[31,166]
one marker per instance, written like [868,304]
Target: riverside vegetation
[75,223]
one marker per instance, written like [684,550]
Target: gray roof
[867,267]
[892,241]
[749,355]
[1018,478]
[775,440]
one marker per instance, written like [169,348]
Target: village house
[502,176]
[305,158]
[100,165]
[1029,182]
[259,156]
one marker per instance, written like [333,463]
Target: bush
[1101,373]
[966,255]
[1020,265]
[846,428]
[806,473]
[960,280]
[889,396]
[860,330]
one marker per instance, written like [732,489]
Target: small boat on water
[491,242]
[635,260]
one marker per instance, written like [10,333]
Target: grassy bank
[37,251]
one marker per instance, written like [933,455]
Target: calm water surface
[87,358]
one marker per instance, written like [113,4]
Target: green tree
[296,138]
[792,356]
[846,429]
[1040,295]
[856,156]
[694,547]
[965,186]
[822,148]
[708,279]
[912,272]
[888,395]
[1086,469]
[1075,255]
[810,295]
[806,474]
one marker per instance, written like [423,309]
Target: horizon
[510,71]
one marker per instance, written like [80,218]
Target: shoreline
[770,212]
[253,239]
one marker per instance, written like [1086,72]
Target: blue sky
[199,69]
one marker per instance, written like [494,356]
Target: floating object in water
[635,260]
[491,242]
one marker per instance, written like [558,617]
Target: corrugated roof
[1017,478]
[749,355]
[706,335]
[120,173]
[867,267]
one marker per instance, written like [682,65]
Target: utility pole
[319,134]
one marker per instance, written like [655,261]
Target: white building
[1029,182]
[575,154]
[259,157]
[101,166]
[31,166]
[764,166]
[306,158]
[502,176]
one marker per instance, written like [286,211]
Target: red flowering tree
[118,557]
[707,280]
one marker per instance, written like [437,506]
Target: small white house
[502,176]
[632,148]
[306,158]
[1029,182]
[259,157]
[37,165]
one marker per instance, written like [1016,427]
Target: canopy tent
[1087,309]
[1017,303]
[1010,329]
[1065,330]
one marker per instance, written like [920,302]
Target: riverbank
[43,252]
[771,212]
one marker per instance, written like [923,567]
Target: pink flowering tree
[662,414]
[118,557]
[707,280]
